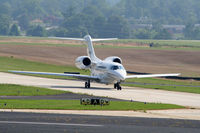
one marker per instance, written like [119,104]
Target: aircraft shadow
[92,88]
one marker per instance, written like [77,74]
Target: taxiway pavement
[128,93]
[55,123]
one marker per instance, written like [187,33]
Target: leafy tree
[103,18]
[50,6]
[192,32]
[71,11]
[92,11]
[5,8]
[99,25]
[36,31]
[157,26]
[117,26]
[4,24]
[77,25]
[23,21]
[14,31]
[196,33]
[59,32]
[163,34]
[189,31]
[144,34]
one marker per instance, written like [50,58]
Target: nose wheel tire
[87,84]
[117,86]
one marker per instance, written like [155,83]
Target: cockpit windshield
[115,67]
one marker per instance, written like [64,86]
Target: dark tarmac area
[11,122]
[66,96]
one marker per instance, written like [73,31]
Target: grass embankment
[19,90]
[75,105]
[8,63]
[158,44]
[162,43]
[43,44]
[166,84]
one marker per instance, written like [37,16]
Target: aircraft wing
[152,75]
[83,77]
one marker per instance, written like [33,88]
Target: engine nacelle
[83,62]
[114,59]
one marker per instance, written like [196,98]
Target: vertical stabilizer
[90,49]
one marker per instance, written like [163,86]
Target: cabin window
[101,67]
[116,67]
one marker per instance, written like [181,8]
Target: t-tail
[89,40]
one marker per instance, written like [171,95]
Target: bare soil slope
[151,61]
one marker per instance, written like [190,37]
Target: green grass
[75,105]
[22,37]
[169,88]
[10,63]
[177,43]
[167,84]
[163,81]
[44,44]
[19,90]
[159,44]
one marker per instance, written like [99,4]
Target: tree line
[100,18]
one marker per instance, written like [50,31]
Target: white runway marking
[46,123]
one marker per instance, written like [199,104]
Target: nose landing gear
[117,86]
[87,84]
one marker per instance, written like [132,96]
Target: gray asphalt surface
[66,96]
[11,122]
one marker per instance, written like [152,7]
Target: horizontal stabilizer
[82,39]
[64,38]
[104,39]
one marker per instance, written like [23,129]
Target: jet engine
[114,59]
[83,62]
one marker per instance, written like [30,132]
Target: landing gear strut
[87,84]
[117,85]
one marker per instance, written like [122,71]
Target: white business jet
[107,71]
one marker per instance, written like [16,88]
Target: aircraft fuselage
[108,72]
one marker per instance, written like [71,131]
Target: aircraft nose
[121,76]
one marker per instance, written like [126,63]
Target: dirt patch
[34,40]
[149,61]
[48,41]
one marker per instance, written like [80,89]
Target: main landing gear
[87,84]
[117,85]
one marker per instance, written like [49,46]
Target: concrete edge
[186,114]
